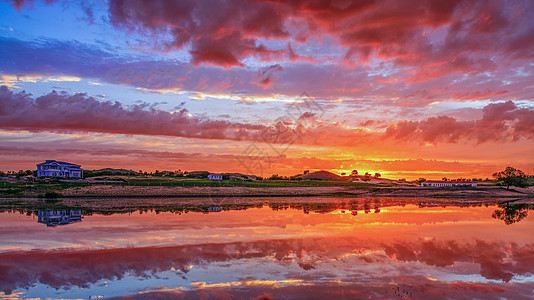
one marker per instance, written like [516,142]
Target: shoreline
[354,205]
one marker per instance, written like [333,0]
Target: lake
[270,249]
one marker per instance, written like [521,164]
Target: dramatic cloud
[60,111]
[52,57]
[500,121]
[64,112]
[375,84]
[452,36]
[218,34]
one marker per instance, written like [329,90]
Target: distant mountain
[322,175]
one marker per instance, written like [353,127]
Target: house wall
[57,170]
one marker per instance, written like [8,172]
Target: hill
[321,175]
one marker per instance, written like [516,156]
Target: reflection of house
[52,168]
[448,183]
[215,176]
[59,217]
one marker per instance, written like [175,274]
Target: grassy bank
[123,186]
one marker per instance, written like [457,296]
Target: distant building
[53,168]
[215,176]
[53,218]
[448,183]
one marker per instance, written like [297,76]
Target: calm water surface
[278,251]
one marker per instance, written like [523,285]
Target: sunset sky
[406,88]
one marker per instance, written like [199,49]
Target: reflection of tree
[511,214]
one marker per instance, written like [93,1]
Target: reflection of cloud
[497,260]
[249,283]
[393,287]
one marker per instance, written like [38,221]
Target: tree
[512,176]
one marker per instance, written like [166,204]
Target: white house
[215,176]
[448,183]
[53,168]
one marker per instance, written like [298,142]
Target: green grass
[193,183]
[55,186]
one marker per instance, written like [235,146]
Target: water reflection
[512,213]
[297,261]
[349,249]
[508,212]
[53,218]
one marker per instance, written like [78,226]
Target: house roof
[59,163]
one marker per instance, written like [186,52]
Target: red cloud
[63,112]
[500,121]
[219,33]
[226,33]
[60,111]
[266,74]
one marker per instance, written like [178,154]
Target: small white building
[53,168]
[448,183]
[215,176]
